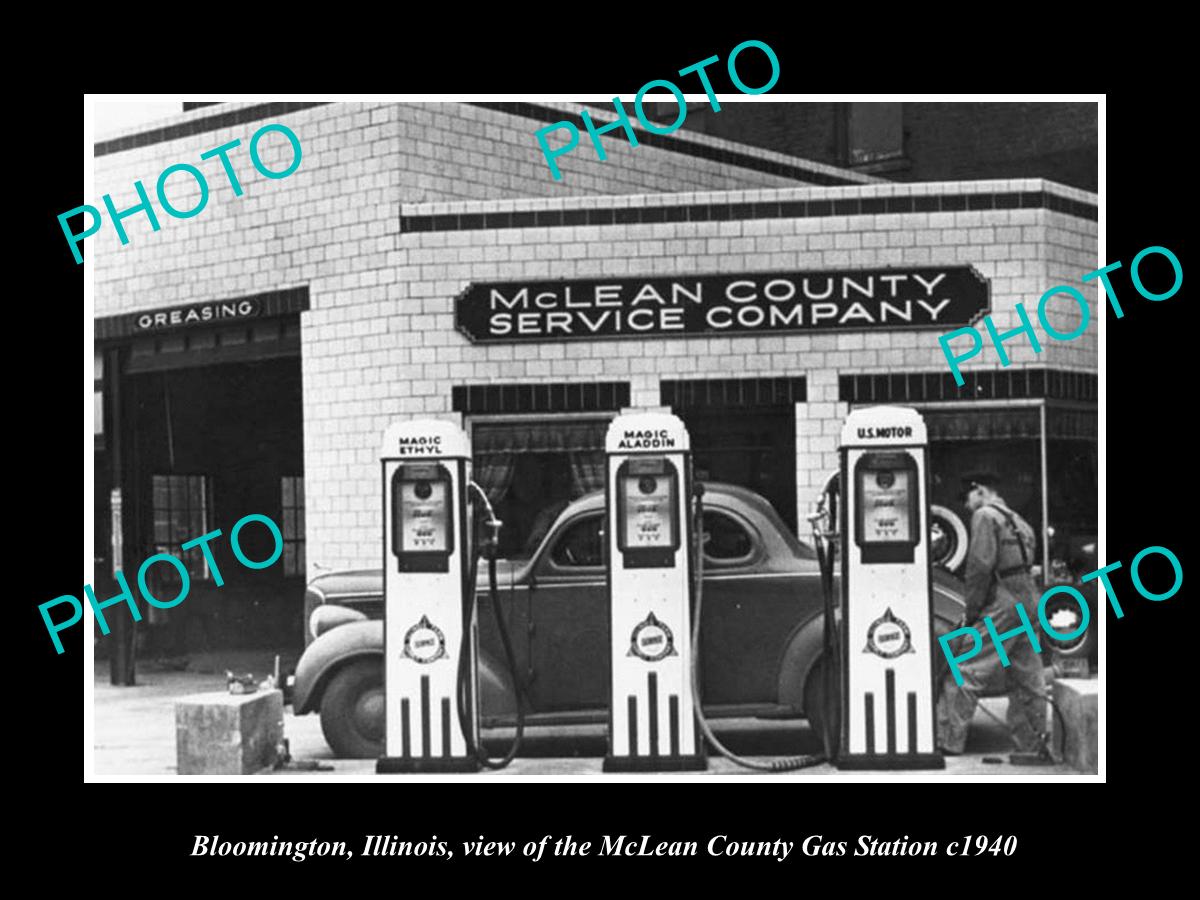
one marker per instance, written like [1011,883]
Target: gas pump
[649,541]
[887,711]
[429,613]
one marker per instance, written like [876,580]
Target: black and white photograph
[711,436]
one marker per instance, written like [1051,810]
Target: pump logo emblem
[424,642]
[889,637]
[652,640]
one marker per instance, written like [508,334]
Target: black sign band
[196,314]
[759,302]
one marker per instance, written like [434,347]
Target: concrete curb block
[228,734]
[1077,700]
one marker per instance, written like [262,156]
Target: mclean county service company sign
[770,302]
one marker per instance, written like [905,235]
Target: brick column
[818,423]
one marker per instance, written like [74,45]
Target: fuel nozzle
[491,543]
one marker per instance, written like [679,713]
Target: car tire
[352,710]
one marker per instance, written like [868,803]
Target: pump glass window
[885,506]
[888,519]
[649,519]
[647,512]
[725,540]
[581,545]
[422,517]
[182,508]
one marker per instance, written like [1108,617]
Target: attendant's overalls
[997,577]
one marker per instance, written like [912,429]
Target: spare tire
[948,538]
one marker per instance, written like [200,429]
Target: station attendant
[997,577]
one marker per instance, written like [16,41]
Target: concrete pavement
[135,735]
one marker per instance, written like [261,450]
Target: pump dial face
[648,513]
[424,516]
[886,514]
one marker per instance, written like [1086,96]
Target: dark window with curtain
[1072,481]
[532,469]
[874,132]
[182,511]
[292,489]
[1002,441]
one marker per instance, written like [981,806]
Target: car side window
[580,545]
[726,541]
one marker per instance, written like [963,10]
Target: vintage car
[761,632]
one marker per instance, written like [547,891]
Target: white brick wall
[379,341]
[818,424]
[426,356]
[333,224]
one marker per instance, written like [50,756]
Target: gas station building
[422,261]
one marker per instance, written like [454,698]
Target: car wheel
[948,538]
[352,710]
[814,701]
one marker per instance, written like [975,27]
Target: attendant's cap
[978,479]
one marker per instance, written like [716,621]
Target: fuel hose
[972,687]
[831,663]
[782,764]
[490,545]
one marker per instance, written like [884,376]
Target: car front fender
[326,654]
[355,640]
[804,648]
[497,702]
[807,644]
